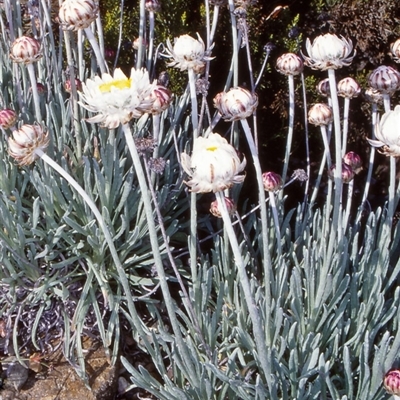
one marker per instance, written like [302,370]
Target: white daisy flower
[214,165]
[117,99]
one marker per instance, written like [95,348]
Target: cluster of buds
[216,211]
[272,181]
[320,114]
[238,103]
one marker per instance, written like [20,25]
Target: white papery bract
[117,99]
[329,52]
[187,53]
[289,64]
[25,50]
[235,104]
[214,165]
[24,142]
[386,79]
[387,133]
[77,14]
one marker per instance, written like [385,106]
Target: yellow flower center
[212,148]
[119,84]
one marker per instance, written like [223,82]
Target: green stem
[345,124]
[142,20]
[35,93]
[272,203]
[193,196]
[258,331]
[156,251]
[290,128]
[337,220]
[95,46]
[151,42]
[267,262]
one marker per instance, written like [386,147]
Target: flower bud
[25,50]
[68,85]
[391,382]
[320,114]
[354,160]
[348,88]
[395,49]
[373,96]
[77,14]
[8,118]
[153,5]
[347,173]
[289,64]
[216,211]
[162,99]
[40,88]
[385,79]
[236,104]
[25,141]
[323,88]
[135,43]
[272,181]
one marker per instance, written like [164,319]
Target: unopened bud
[272,181]
[347,173]
[348,88]
[354,160]
[216,211]
[320,114]
[289,64]
[391,382]
[385,79]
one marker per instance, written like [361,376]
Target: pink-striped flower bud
[391,382]
[25,50]
[395,50]
[354,160]
[162,98]
[320,114]
[385,79]
[373,96]
[348,88]
[8,118]
[153,5]
[26,141]
[289,64]
[347,172]
[68,85]
[238,103]
[216,211]
[272,181]
[323,88]
[77,14]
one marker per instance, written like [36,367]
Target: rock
[62,383]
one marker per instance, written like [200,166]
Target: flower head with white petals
[188,53]
[387,133]
[117,99]
[214,165]
[329,52]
